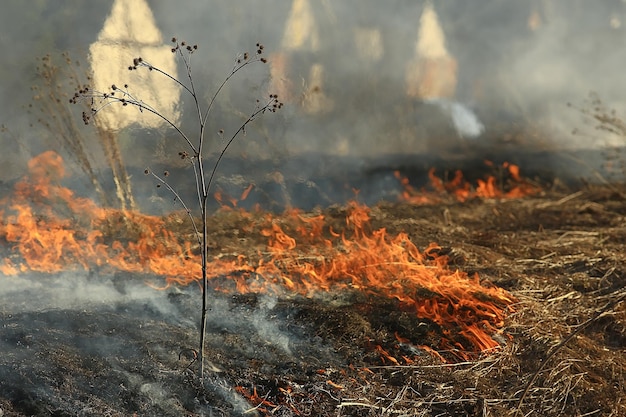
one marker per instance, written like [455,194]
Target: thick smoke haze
[366,84]
[515,66]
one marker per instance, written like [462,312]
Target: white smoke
[465,121]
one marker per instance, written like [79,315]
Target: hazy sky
[518,65]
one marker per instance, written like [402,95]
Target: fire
[377,263]
[50,229]
[222,198]
[285,395]
[53,230]
[462,190]
[254,398]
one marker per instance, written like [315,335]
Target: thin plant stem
[203,184]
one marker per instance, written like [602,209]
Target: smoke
[464,120]
[79,291]
[572,52]
[126,344]
[342,68]
[76,291]
[129,33]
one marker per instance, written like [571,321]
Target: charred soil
[126,349]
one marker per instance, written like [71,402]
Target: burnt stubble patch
[101,344]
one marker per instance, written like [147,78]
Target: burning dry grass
[561,257]
[308,257]
[355,345]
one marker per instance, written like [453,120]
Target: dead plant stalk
[195,146]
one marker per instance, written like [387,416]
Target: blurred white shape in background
[369,43]
[300,36]
[432,75]
[465,121]
[301,30]
[130,32]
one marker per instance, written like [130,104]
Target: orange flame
[220,196]
[377,263]
[255,399]
[53,230]
[50,229]
[462,190]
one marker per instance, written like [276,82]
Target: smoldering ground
[74,342]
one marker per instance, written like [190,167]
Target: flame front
[462,190]
[377,263]
[50,229]
[53,230]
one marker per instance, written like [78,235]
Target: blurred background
[362,79]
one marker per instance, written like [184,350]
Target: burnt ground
[101,343]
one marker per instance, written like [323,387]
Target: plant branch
[179,199]
[272,104]
[203,184]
